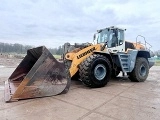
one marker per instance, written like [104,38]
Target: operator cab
[113,36]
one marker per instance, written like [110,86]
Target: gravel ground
[119,100]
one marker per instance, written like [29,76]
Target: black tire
[68,65]
[141,70]
[115,73]
[89,68]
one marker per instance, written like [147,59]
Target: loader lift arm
[80,56]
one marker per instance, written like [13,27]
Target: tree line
[155,53]
[22,49]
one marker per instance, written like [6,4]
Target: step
[124,61]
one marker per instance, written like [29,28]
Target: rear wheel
[141,70]
[95,71]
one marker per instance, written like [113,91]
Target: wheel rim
[100,72]
[143,70]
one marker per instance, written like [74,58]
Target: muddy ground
[119,100]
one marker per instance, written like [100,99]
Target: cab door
[116,41]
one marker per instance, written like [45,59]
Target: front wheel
[141,70]
[95,71]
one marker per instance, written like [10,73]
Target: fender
[139,53]
[107,54]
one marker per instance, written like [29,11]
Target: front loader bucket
[38,75]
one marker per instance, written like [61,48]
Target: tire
[95,71]
[68,65]
[141,70]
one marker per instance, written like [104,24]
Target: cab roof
[111,28]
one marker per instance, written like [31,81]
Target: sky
[54,22]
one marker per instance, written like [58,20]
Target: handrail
[145,42]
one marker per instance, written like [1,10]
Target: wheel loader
[40,74]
